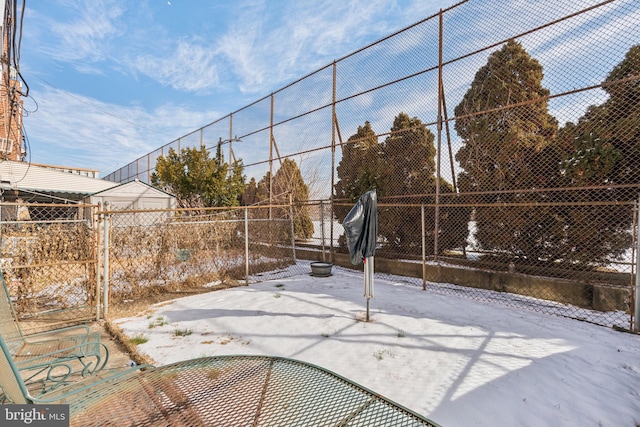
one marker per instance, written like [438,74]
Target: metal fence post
[636,311]
[293,227]
[424,249]
[246,245]
[105,263]
[322,228]
[99,225]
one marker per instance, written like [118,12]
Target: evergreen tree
[622,121]
[287,180]
[360,170]
[603,151]
[249,197]
[409,178]
[402,170]
[509,151]
[197,180]
[409,172]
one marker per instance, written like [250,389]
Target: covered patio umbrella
[361,230]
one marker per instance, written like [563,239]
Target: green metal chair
[14,389]
[260,391]
[50,358]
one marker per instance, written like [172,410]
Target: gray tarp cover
[361,227]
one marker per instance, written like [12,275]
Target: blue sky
[112,80]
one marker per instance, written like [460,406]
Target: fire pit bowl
[321,269]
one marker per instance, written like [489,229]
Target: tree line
[517,166]
[200,181]
[511,149]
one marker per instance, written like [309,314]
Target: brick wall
[10,105]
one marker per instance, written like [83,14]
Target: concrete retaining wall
[600,296]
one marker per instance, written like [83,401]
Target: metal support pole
[333,155]
[424,250]
[436,230]
[293,227]
[271,140]
[105,263]
[246,245]
[368,281]
[636,311]
[322,228]
[97,281]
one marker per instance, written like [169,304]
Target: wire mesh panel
[239,391]
[160,251]
[48,259]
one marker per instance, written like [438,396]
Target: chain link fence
[503,139]
[159,252]
[48,259]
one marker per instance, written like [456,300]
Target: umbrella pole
[368,281]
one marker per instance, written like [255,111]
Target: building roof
[135,188]
[34,182]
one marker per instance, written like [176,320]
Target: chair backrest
[10,380]
[9,326]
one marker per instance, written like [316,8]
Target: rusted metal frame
[448,133]
[636,289]
[293,228]
[231,155]
[533,30]
[424,248]
[263,394]
[106,226]
[311,150]
[426,70]
[436,226]
[173,393]
[98,221]
[334,128]
[209,209]
[53,205]
[445,120]
[522,191]
[500,205]
[347,420]
[275,146]
[271,141]
[322,234]
[50,264]
[545,98]
[337,125]
[246,246]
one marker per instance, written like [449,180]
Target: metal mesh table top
[239,391]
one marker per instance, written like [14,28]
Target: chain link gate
[49,259]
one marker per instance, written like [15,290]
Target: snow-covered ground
[456,361]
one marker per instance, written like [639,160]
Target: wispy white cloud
[262,47]
[190,67]
[571,45]
[71,129]
[85,35]
[270,44]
